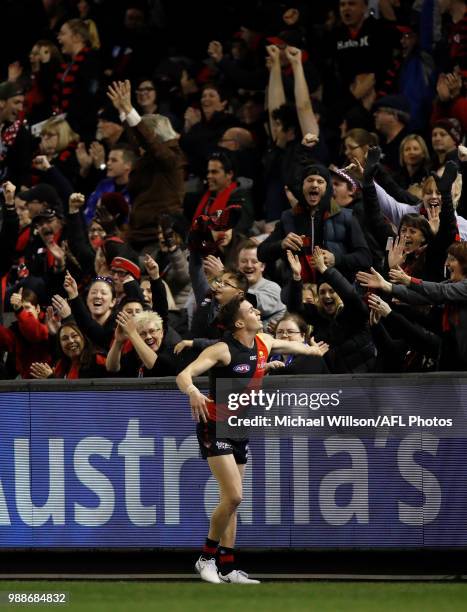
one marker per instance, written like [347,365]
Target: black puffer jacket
[337,230]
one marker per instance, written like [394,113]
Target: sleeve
[159,300]
[393,209]
[292,296]
[394,189]
[99,334]
[198,277]
[390,351]
[359,255]
[462,204]
[417,337]
[271,249]
[447,226]
[79,243]
[352,301]
[8,238]
[439,293]
[159,150]
[409,296]
[377,224]
[7,339]
[31,328]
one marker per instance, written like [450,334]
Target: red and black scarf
[10,133]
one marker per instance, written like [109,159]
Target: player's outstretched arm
[217,354]
[294,348]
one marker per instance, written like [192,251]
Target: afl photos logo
[242,368]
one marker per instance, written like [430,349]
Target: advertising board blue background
[121,468]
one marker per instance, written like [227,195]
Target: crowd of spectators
[308,156]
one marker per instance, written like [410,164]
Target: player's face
[250,316]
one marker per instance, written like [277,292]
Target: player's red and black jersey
[245,363]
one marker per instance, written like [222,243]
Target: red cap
[405,29]
[128,265]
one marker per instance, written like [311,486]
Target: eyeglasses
[222,283]
[143,89]
[120,273]
[103,279]
[287,332]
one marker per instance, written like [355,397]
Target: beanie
[452,126]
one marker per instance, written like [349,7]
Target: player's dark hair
[228,314]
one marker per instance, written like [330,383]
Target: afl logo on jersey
[242,368]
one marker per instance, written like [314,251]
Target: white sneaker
[207,569]
[238,577]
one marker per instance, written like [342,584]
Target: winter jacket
[28,340]
[156,184]
[341,234]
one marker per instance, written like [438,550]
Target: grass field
[268,597]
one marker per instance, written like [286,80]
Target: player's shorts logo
[242,368]
[223,445]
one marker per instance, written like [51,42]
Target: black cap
[10,90]
[45,215]
[44,193]
[109,113]
[397,103]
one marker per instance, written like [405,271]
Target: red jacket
[28,339]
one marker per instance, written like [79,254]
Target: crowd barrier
[115,463]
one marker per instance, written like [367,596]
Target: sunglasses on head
[103,279]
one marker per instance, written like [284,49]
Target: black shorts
[211,446]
